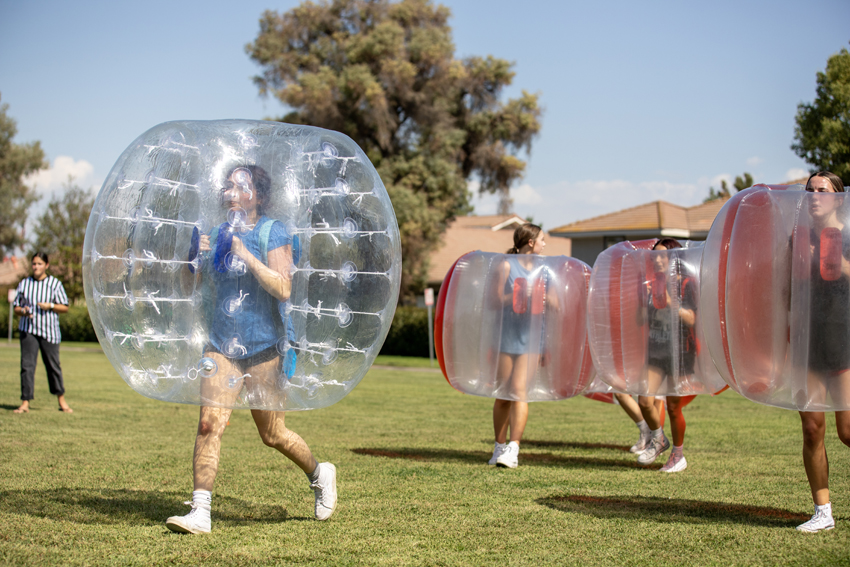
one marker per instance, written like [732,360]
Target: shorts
[243,364]
[829,349]
[687,362]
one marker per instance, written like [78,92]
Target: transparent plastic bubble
[341,186]
[237,218]
[348,271]
[329,356]
[349,227]
[207,368]
[129,257]
[343,315]
[234,381]
[164,285]
[545,318]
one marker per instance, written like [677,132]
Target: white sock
[825,509]
[657,433]
[677,450]
[203,498]
[644,428]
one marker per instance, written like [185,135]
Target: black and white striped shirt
[43,323]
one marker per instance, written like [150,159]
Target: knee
[844,434]
[208,425]
[278,437]
[646,403]
[813,433]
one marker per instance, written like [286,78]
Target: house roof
[657,216]
[490,233]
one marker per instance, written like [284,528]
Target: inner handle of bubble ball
[222,247]
[830,253]
[659,290]
[194,247]
[520,300]
[538,294]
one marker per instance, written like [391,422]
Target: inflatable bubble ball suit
[644,321]
[242,264]
[525,308]
[776,297]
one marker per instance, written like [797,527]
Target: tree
[740,184]
[822,133]
[16,162]
[385,74]
[60,232]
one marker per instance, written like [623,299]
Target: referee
[39,300]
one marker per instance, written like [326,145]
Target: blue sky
[642,100]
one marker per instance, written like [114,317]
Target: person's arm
[687,311]
[51,306]
[274,278]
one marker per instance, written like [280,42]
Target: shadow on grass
[673,511]
[568,445]
[481,457]
[89,506]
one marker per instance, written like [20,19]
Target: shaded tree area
[60,232]
[385,74]
[17,161]
[739,184]
[822,131]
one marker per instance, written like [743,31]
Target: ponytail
[522,235]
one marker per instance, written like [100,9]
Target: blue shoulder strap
[265,232]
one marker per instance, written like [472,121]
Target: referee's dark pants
[30,344]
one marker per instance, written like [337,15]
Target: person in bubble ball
[515,350]
[252,360]
[829,345]
[660,360]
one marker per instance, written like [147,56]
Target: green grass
[95,487]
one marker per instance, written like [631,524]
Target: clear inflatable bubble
[525,307]
[242,264]
[644,321]
[776,297]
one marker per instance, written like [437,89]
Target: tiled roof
[657,215]
[466,234]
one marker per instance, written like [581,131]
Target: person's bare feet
[63,405]
[24,408]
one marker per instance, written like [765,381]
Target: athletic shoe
[509,459]
[325,491]
[641,445]
[821,521]
[676,463]
[498,449]
[656,447]
[195,522]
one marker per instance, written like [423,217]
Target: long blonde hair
[523,234]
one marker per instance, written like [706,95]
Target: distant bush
[408,334]
[75,324]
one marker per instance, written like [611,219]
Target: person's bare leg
[677,420]
[519,417]
[63,405]
[23,408]
[211,424]
[273,431]
[502,408]
[648,407]
[630,406]
[814,455]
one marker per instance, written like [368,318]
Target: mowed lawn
[95,487]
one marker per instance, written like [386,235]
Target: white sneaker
[498,449]
[509,459]
[325,491]
[195,522]
[642,444]
[656,447]
[821,521]
[676,463]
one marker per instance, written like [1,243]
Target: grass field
[95,487]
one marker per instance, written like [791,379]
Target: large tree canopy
[385,74]
[822,134]
[16,162]
[60,231]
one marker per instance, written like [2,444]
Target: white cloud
[526,195]
[754,161]
[47,181]
[795,173]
